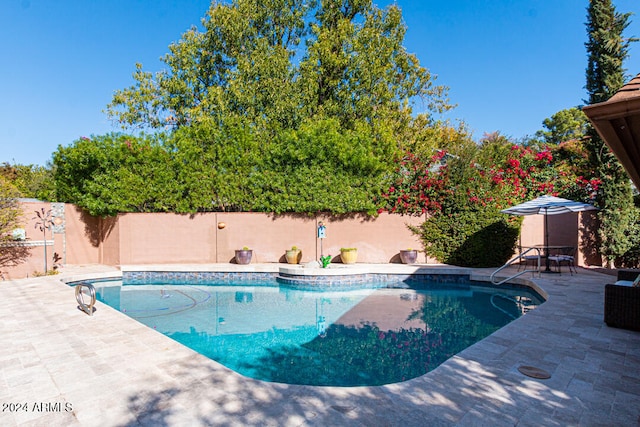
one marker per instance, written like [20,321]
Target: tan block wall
[82,237]
[563,230]
[158,238]
[532,231]
[214,237]
[378,240]
[27,259]
[110,248]
[147,238]
[268,235]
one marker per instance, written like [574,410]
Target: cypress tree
[607,49]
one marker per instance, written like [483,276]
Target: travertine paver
[60,367]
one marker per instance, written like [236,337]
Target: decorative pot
[408,256]
[293,256]
[349,256]
[243,256]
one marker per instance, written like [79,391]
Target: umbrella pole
[546,229]
[546,240]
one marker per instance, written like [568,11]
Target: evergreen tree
[607,49]
[563,126]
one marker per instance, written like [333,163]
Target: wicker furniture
[622,303]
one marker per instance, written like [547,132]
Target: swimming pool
[372,335]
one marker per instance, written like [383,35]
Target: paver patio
[70,369]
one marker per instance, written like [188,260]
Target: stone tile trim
[310,282]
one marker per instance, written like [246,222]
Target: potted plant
[325,261]
[293,255]
[408,256]
[348,255]
[243,256]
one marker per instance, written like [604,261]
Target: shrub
[482,238]
[463,192]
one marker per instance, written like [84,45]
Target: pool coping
[116,372]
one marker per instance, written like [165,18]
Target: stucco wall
[378,240]
[82,237]
[157,238]
[571,229]
[27,258]
[110,247]
[268,235]
[165,238]
[214,237]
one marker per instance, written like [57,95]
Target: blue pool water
[340,338]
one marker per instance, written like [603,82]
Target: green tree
[565,125]
[119,173]
[9,210]
[30,180]
[323,167]
[218,175]
[10,219]
[607,49]
[281,106]
[240,65]
[318,167]
[356,67]
[251,62]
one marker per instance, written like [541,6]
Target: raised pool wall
[163,238]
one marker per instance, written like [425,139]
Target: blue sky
[509,64]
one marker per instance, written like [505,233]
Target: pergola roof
[618,123]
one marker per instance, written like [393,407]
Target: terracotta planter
[408,256]
[243,256]
[349,257]
[293,256]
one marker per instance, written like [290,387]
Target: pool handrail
[520,273]
[87,308]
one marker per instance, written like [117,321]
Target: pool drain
[533,372]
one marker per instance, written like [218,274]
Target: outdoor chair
[564,256]
[530,260]
[622,301]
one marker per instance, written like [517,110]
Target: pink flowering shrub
[428,186]
[463,193]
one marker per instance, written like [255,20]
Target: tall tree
[357,68]
[607,49]
[30,180]
[241,64]
[287,105]
[565,125]
[281,62]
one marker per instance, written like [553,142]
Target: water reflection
[366,354]
[364,337]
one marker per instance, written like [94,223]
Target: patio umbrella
[548,205]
